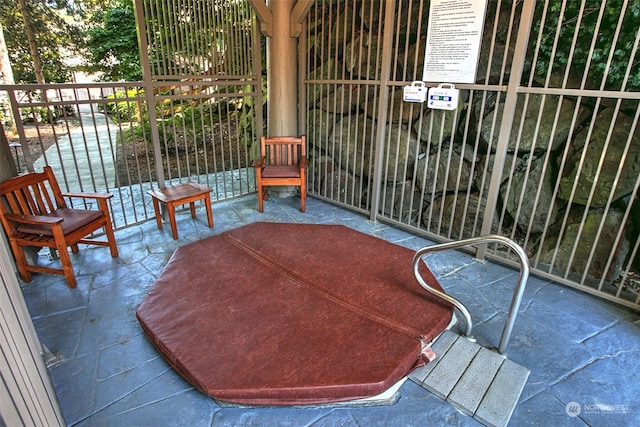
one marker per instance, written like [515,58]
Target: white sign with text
[454,36]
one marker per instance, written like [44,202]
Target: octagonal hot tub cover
[291,314]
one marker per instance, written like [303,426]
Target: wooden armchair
[34,213]
[283,161]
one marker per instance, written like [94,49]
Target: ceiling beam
[264,16]
[298,14]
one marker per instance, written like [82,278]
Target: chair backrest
[32,194]
[283,150]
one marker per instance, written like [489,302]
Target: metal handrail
[517,295]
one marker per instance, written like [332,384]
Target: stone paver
[582,352]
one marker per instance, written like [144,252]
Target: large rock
[528,197]
[343,187]
[326,71]
[360,56]
[603,163]
[401,150]
[401,202]
[402,111]
[341,31]
[351,142]
[437,126]
[346,98]
[460,215]
[332,182]
[492,51]
[320,168]
[413,68]
[554,124]
[320,124]
[490,63]
[443,172]
[356,153]
[635,222]
[598,234]
[484,170]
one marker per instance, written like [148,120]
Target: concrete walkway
[86,156]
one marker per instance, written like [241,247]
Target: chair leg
[207,201]
[63,253]
[108,226]
[67,267]
[111,238]
[261,196]
[171,208]
[156,211]
[21,262]
[303,196]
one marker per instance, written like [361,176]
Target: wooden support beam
[298,14]
[264,16]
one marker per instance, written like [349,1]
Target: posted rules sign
[453,43]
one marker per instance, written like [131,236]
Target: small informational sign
[415,92]
[454,36]
[443,97]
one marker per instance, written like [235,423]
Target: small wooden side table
[180,194]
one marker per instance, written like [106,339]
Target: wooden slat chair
[283,161]
[34,213]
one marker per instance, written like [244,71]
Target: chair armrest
[258,163]
[34,219]
[89,195]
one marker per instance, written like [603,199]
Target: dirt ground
[39,138]
[189,156]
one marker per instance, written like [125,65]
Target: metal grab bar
[517,295]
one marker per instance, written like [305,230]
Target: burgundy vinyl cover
[290,314]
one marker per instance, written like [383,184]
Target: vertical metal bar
[588,136]
[257,79]
[517,68]
[575,114]
[614,42]
[621,230]
[385,73]
[148,91]
[18,120]
[195,33]
[303,71]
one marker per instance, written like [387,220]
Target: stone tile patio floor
[583,352]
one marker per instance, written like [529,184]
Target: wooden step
[479,382]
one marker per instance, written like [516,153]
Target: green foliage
[60,30]
[127,109]
[247,122]
[582,27]
[43,114]
[113,44]
[51,30]
[210,26]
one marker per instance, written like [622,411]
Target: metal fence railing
[97,137]
[543,147]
